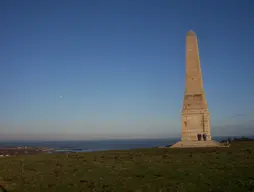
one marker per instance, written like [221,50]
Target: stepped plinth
[196,144]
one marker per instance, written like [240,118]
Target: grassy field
[210,169]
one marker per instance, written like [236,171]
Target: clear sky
[86,69]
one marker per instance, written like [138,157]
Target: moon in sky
[61,97]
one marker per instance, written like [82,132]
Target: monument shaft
[195,115]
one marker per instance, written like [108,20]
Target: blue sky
[115,69]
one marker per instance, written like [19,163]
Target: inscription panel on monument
[193,97]
[194,122]
[193,101]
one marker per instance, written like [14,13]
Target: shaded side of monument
[195,116]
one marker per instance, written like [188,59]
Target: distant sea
[96,145]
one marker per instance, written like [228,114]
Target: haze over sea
[98,145]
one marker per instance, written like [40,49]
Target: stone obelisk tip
[191,33]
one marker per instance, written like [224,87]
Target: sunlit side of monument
[195,115]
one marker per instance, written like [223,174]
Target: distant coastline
[13,148]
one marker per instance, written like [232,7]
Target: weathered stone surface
[195,115]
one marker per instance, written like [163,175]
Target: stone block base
[194,144]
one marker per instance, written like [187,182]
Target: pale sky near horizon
[115,69]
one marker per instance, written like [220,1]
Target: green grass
[210,169]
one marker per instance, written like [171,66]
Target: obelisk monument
[195,115]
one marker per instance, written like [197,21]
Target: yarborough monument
[195,116]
